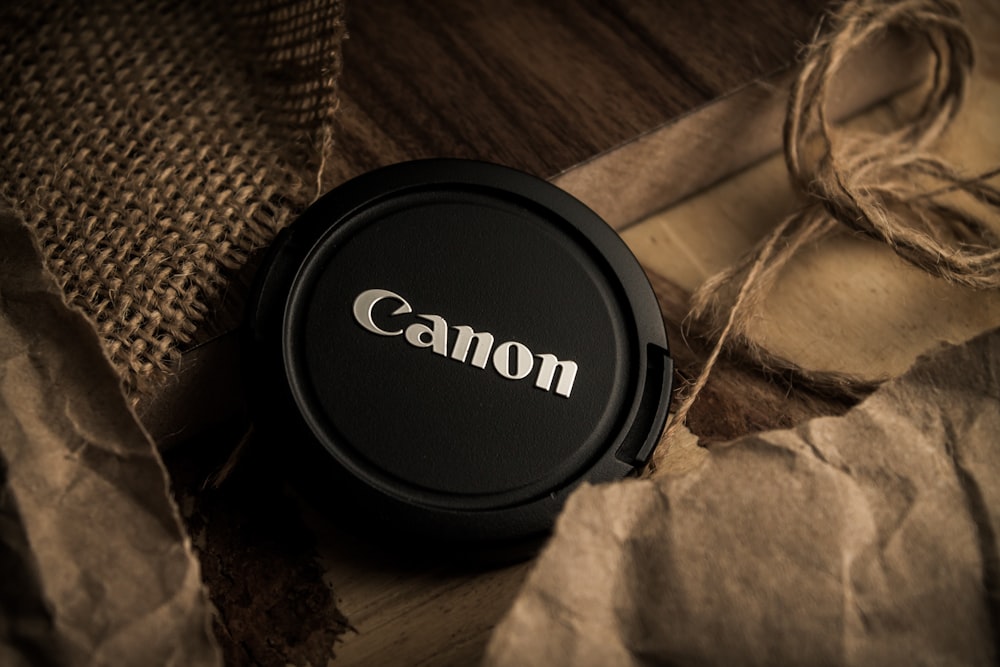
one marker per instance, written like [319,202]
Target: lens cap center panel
[447,345]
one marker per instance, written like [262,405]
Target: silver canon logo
[511,360]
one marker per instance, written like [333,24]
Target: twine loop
[888,187]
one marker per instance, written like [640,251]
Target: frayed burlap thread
[152,146]
[888,187]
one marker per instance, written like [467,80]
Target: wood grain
[544,86]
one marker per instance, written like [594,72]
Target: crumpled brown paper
[867,539]
[96,567]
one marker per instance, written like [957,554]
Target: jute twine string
[887,187]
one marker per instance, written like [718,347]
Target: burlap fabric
[152,145]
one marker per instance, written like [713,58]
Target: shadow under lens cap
[456,345]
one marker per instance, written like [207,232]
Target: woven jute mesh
[153,145]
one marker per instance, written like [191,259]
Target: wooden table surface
[544,87]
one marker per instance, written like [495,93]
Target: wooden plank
[544,86]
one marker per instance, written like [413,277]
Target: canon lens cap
[452,347]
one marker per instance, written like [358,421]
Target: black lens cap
[453,346]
